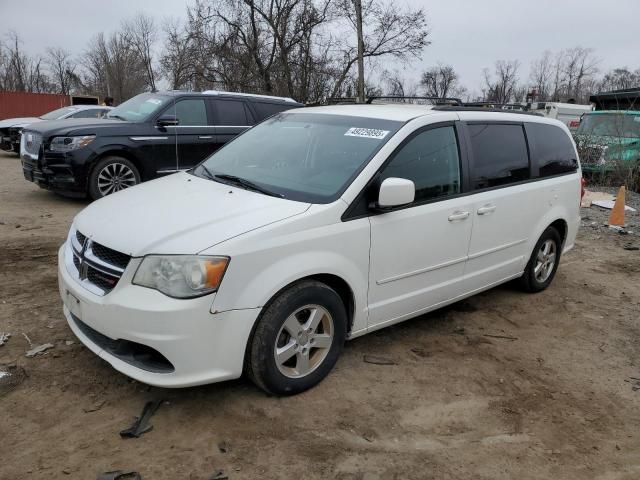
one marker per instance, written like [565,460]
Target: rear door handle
[205,137]
[458,215]
[486,209]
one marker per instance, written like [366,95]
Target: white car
[11,128]
[316,226]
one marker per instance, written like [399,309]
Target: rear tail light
[583,189]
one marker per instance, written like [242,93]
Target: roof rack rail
[472,108]
[402,99]
[497,105]
[255,95]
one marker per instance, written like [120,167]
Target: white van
[568,113]
[316,226]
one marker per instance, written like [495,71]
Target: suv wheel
[112,174]
[297,340]
[543,263]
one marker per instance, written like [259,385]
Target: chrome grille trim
[93,273]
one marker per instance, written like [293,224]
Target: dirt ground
[502,386]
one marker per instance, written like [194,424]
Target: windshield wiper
[116,116]
[243,182]
[208,173]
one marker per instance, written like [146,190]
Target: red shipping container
[27,104]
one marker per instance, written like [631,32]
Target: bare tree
[442,81]
[501,86]
[141,34]
[176,60]
[541,75]
[113,67]
[62,69]
[390,32]
[580,66]
[619,79]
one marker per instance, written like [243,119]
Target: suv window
[231,112]
[552,149]
[431,161]
[191,112]
[265,110]
[499,155]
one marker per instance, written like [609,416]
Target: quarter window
[431,161]
[552,149]
[231,112]
[499,155]
[190,113]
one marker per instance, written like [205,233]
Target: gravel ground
[596,218]
[502,386]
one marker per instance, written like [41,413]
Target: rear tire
[297,339]
[544,261]
[110,175]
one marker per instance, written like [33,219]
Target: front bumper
[200,346]
[60,172]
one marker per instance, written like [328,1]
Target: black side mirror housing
[167,121]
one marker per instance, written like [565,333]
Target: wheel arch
[335,282]
[119,152]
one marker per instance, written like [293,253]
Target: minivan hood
[13,122]
[179,214]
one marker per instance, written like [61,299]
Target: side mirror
[167,121]
[395,192]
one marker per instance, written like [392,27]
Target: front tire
[297,339]
[110,175]
[544,261]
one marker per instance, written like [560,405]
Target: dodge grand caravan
[317,226]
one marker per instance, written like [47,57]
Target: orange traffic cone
[617,213]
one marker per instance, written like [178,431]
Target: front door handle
[205,137]
[486,209]
[458,215]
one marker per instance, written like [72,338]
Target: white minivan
[316,226]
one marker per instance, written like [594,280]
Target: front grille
[110,256]
[591,154]
[32,142]
[101,267]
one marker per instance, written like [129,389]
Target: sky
[468,34]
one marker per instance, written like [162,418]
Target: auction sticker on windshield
[366,133]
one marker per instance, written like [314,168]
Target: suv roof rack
[402,99]
[254,95]
[472,108]
[393,99]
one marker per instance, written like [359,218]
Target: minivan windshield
[309,157]
[610,125]
[59,113]
[139,108]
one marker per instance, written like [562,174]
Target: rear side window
[431,161]
[499,155]
[265,110]
[231,112]
[192,112]
[551,149]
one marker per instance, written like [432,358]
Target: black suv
[150,135]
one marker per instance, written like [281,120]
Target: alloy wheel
[115,177]
[304,341]
[545,261]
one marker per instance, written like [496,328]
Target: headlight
[66,144]
[181,276]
